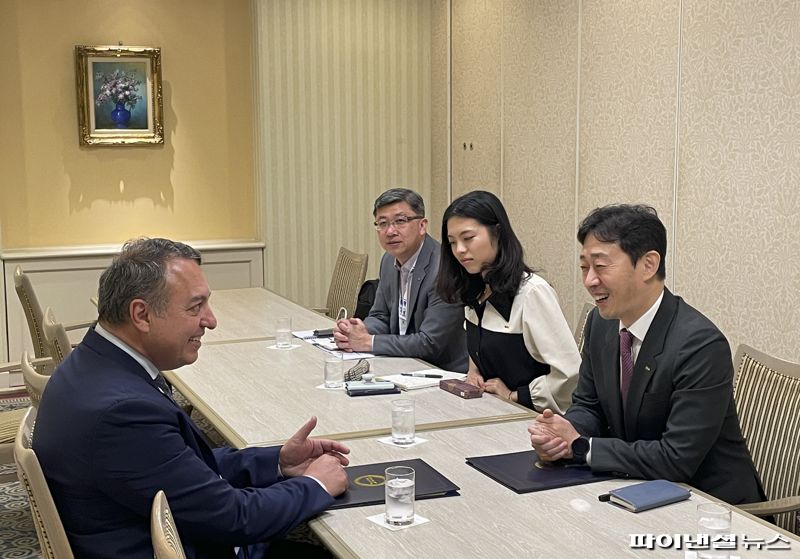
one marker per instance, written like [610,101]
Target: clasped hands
[350,334]
[492,386]
[552,436]
[322,459]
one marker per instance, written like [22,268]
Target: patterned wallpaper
[344,113]
[540,96]
[690,106]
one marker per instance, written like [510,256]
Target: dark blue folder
[367,483]
[523,472]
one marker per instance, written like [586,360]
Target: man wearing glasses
[408,319]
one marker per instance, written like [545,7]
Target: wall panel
[738,196]
[344,114]
[540,46]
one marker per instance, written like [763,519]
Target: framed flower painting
[119,95]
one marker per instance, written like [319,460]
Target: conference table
[251,313]
[489,520]
[255,394]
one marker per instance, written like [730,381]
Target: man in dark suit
[655,392]
[109,436]
[408,318]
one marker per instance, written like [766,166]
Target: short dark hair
[635,228]
[139,271]
[395,195]
[505,274]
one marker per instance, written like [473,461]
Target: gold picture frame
[119,95]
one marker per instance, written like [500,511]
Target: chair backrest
[348,275]
[581,325]
[52,537]
[58,344]
[33,311]
[34,381]
[767,394]
[164,533]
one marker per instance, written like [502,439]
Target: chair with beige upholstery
[55,336]
[35,382]
[9,425]
[767,394]
[11,419]
[581,325]
[348,275]
[34,314]
[52,537]
[163,532]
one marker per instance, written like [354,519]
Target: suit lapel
[647,362]
[610,360]
[420,271]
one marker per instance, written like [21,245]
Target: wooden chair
[10,420]
[35,382]
[767,394]
[55,336]
[34,314]
[348,275]
[49,529]
[164,533]
[581,325]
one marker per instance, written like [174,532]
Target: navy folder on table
[522,472]
[367,483]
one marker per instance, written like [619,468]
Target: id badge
[403,308]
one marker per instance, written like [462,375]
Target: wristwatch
[580,448]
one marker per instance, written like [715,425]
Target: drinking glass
[334,372]
[283,333]
[715,520]
[403,421]
[400,495]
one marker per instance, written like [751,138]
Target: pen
[424,375]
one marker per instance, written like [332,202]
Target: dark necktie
[163,385]
[626,363]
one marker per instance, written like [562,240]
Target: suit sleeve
[549,340]
[586,412]
[377,321]
[139,449]
[442,321]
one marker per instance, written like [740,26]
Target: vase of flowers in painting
[122,90]
[120,116]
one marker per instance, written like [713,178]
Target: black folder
[522,472]
[367,484]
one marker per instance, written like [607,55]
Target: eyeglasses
[397,223]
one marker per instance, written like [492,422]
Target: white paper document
[327,344]
[413,382]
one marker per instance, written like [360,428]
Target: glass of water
[403,421]
[399,495]
[715,520]
[334,372]
[283,332]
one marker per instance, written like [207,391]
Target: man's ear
[139,312]
[650,261]
[423,226]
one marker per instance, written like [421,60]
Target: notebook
[413,383]
[648,495]
[367,483]
[523,472]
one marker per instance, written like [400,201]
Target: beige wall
[690,106]
[198,185]
[344,93]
